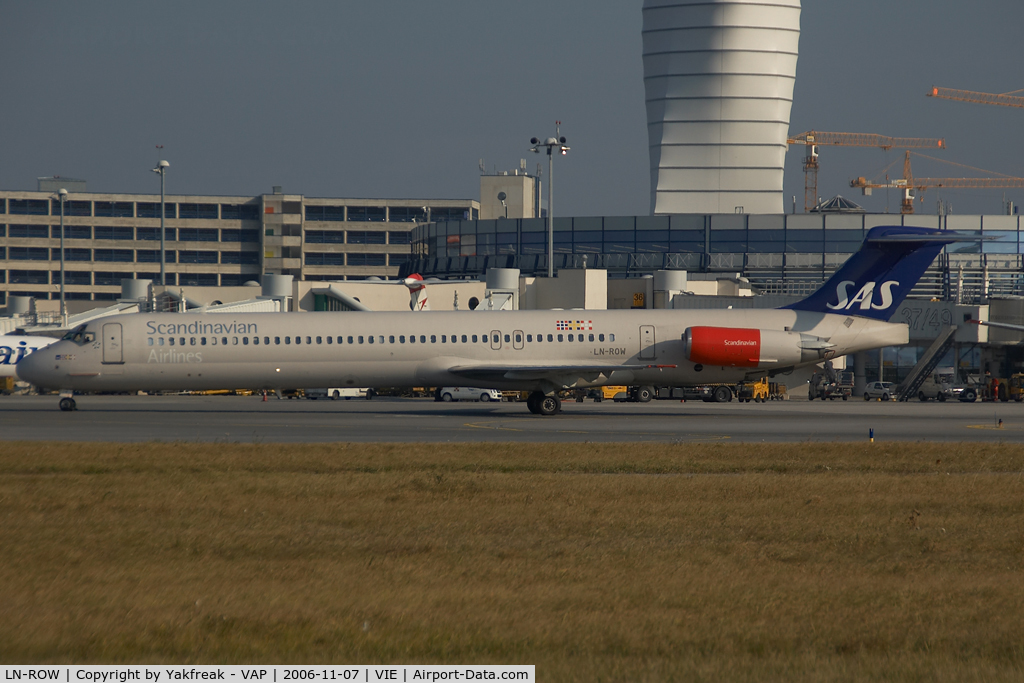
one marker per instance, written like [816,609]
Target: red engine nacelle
[741,347]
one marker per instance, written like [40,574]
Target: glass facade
[779,253]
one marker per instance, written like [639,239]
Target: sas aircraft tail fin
[876,279]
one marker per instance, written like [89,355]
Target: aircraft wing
[564,374]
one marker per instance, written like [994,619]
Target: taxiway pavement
[236,419]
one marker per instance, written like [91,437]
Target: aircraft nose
[33,367]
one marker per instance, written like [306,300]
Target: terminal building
[211,240]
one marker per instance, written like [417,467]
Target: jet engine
[741,347]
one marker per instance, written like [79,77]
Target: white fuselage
[14,348]
[359,349]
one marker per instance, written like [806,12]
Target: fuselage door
[496,339]
[112,343]
[647,342]
[517,339]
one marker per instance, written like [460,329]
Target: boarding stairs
[926,364]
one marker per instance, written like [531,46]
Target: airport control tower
[719,78]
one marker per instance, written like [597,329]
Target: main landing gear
[541,404]
[67,404]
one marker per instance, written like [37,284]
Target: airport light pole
[552,144]
[62,195]
[161,168]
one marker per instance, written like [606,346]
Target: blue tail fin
[875,280]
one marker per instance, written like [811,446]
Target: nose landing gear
[541,404]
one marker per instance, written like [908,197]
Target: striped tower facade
[719,78]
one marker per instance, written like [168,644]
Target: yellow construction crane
[1005,99]
[908,184]
[814,138]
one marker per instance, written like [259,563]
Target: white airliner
[14,348]
[537,351]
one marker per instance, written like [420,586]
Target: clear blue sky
[401,98]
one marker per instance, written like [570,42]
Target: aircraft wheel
[67,404]
[549,405]
[446,397]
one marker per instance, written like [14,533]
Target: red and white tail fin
[417,293]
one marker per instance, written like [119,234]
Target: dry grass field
[804,562]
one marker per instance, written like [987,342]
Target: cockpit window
[79,335]
[75,334]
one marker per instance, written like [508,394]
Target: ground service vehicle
[882,390]
[449,394]
[830,384]
[939,386]
[1016,387]
[334,393]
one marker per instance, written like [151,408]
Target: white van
[449,394]
[334,393]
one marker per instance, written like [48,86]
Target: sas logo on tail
[864,296]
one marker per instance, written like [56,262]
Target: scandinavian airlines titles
[864,296]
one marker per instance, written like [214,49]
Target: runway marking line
[992,427]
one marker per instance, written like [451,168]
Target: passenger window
[381,339]
[591,337]
[319,340]
[370,339]
[287,340]
[550,338]
[149,341]
[560,338]
[277,340]
[309,340]
[600,337]
[298,340]
[160,341]
[401,339]
[433,339]
[330,340]
[611,337]
[224,341]
[507,339]
[266,340]
[496,339]
[245,341]
[474,339]
[570,338]
[580,339]
[412,338]
[181,341]
[519,338]
[234,341]
[360,339]
[529,337]
[202,341]
[256,341]
[423,339]
[391,339]
[170,340]
[350,340]
[191,341]
[464,339]
[443,339]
